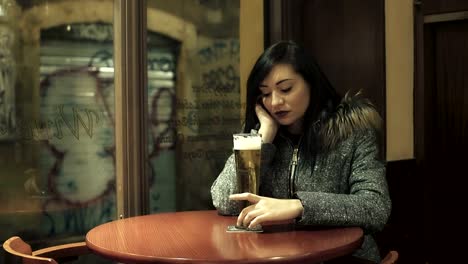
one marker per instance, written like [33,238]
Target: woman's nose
[276,99]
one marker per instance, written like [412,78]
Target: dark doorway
[441,119]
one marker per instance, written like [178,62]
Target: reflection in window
[207,99]
[77,99]
[76,127]
[162,63]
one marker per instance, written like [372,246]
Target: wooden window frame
[130,107]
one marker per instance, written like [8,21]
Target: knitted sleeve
[368,203]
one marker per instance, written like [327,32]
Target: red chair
[390,258]
[20,250]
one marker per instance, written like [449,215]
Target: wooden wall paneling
[443,6]
[346,38]
[283,20]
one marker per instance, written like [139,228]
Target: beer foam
[247,141]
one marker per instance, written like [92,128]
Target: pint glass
[247,152]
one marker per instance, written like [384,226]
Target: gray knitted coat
[345,187]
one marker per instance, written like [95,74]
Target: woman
[320,154]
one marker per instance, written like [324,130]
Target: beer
[247,152]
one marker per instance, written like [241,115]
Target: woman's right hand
[268,125]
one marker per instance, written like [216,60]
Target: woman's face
[286,96]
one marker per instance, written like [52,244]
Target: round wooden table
[201,237]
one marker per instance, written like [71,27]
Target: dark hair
[323,97]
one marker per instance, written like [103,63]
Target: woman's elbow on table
[379,216]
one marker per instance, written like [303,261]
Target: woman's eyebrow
[277,83]
[281,81]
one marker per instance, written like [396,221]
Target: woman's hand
[264,209]
[268,125]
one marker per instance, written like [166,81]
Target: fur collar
[353,113]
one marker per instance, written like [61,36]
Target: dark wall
[346,37]
[443,6]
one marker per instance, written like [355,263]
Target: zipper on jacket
[293,164]
[292,176]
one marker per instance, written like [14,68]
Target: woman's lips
[281,114]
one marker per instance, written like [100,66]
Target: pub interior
[116,108]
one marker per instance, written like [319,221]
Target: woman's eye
[285,90]
[266,94]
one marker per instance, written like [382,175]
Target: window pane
[56,119]
[195,108]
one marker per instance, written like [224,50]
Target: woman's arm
[223,186]
[367,205]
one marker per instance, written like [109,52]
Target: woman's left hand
[264,209]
